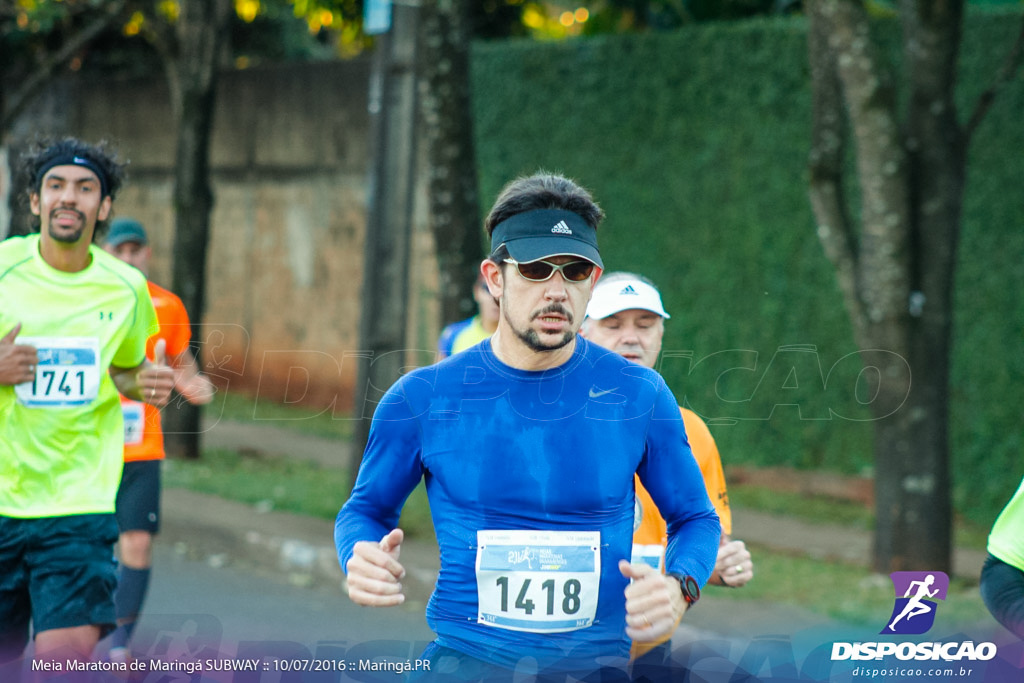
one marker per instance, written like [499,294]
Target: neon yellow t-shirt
[61,436]
[471,335]
[1006,540]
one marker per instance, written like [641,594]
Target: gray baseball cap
[126,230]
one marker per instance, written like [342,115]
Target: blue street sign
[376,16]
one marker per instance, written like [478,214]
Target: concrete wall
[290,164]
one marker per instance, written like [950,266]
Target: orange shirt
[650,533]
[143,437]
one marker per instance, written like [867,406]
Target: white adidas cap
[614,294]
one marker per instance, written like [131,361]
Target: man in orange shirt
[626,315]
[138,498]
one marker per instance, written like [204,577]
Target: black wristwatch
[688,585]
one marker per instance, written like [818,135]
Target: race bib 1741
[538,581]
[67,374]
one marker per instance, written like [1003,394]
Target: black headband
[69,159]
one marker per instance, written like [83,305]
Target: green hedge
[695,143]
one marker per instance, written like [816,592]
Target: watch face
[690,589]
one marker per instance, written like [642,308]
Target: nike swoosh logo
[594,393]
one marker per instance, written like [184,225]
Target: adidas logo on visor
[561,228]
[628,289]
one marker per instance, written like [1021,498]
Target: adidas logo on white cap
[561,228]
[620,294]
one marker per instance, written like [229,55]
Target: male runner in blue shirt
[528,443]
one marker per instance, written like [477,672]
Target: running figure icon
[915,606]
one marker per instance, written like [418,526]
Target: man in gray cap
[528,443]
[138,497]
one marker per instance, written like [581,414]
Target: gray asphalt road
[196,608]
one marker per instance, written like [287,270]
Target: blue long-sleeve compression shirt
[530,481]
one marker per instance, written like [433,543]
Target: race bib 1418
[538,581]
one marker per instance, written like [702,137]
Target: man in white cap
[626,315]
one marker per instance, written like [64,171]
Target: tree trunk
[387,248]
[201,29]
[937,161]
[447,124]
[912,482]
[896,272]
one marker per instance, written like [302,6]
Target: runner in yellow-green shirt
[1002,578]
[73,331]
[471,331]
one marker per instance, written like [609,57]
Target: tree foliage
[39,38]
[105,35]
